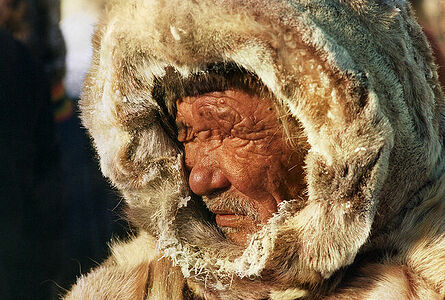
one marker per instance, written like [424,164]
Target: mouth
[234,216]
[232,220]
[236,227]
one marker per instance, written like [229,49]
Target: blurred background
[58,212]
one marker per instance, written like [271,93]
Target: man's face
[237,159]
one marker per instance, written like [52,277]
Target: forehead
[231,106]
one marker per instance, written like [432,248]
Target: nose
[207,180]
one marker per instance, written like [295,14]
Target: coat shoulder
[124,275]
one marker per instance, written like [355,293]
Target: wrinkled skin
[237,159]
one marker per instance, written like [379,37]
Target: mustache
[225,202]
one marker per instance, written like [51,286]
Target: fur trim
[358,76]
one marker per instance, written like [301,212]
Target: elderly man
[269,150]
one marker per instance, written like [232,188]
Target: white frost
[359,149]
[183,201]
[175,33]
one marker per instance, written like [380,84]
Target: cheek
[258,173]
[247,171]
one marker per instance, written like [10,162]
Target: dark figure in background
[30,185]
[90,216]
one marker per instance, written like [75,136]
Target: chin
[239,236]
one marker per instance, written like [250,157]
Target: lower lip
[230,220]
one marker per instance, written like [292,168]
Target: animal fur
[357,75]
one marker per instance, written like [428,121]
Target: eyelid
[182,135]
[185,137]
[203,135]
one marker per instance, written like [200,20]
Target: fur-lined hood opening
[357,75]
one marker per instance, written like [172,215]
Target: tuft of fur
[359,78]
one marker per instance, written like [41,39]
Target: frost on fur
[367,99]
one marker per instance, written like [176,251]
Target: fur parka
[359,77]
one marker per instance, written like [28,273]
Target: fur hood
[357,75]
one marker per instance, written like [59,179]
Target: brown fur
[359,78]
